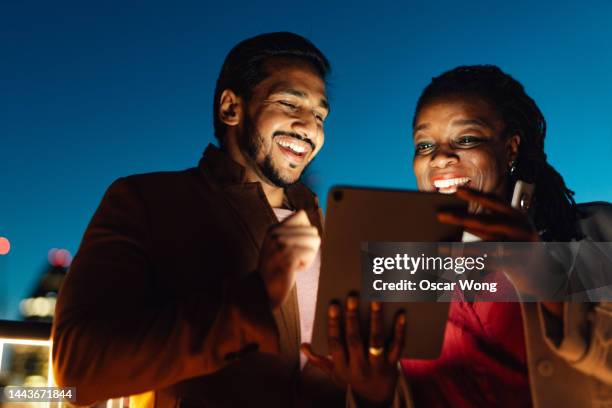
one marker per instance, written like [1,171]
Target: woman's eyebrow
[472,122]
[422,126]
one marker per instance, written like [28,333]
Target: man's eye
[288,105]
[424,147]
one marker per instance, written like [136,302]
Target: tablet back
[360,215]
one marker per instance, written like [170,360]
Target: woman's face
[460,141]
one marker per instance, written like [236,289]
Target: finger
[293,229]
[489,236]
[279,286]
[354,343]
[298,219]
[376,350]
[466,249]
[485,236]
[300,240]
[399,338]
[334,336]
[477,248]
[300,258]
[489,225]
[488,202]
[276,237]
[274,234]
[506,232]
[325,364]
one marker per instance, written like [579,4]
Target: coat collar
[223,169]
[229,173]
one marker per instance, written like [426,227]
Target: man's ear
[230,108]
[512,147]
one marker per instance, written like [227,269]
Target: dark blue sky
[89,93]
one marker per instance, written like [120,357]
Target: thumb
[299,219]
[323,363]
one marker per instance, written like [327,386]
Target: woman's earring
[512,167]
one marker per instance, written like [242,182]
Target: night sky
[89,93]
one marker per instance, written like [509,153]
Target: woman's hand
[367,366]
[497,222]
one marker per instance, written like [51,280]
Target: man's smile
[293,148]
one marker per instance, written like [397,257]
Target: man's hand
[289,248]
[246,323]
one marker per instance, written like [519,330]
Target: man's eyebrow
[325,105]
[294,92]
[282,88]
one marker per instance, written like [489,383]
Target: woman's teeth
[295,147]
[450,185]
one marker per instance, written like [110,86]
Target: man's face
[282,129]
[459,141]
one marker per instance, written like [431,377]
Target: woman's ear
[230,108]
[512,147]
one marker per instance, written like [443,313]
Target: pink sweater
[307,283]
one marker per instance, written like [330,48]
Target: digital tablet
[361,215]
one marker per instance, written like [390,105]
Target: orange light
[5,246]
[59,257]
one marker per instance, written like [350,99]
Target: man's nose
[305,124]
[444,156]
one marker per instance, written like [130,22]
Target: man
[183,289]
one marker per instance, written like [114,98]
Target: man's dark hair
[244,68]
[555,208]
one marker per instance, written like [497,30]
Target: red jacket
[483,360]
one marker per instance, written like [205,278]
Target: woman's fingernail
[333,311]
[351,303]
[443,216]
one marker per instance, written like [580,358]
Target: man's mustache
[295,135]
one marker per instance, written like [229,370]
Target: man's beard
[251,144]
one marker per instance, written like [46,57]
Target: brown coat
[150,277]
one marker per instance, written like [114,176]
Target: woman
[476,132]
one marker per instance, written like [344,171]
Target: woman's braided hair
[554,205]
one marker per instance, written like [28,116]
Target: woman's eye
[467,140]
[424,147]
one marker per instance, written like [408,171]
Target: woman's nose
[444,157]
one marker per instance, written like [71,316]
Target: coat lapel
[255,216]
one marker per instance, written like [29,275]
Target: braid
[554,205]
